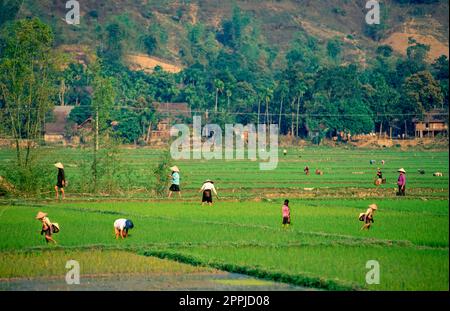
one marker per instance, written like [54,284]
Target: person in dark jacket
[61,181]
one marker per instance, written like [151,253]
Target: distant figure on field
[379,179]
[61,181]
[121,227]
[319,172]
[208,188]
[175,176]
[306,170]
[421,171]
[285,152]
[47,227]
[286,214]
[367,217]
[438,174]
[382,162]
[401,182]
[372,162]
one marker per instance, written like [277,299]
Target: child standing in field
[286,214]
[47,227]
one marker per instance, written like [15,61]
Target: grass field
[242,233]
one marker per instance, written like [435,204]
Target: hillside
[278,23]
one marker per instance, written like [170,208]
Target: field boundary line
[297,279]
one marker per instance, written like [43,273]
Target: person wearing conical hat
[47,227]
[367,217]
[175,176]
[121,227]
[61,181]
[208,188]
[401,182]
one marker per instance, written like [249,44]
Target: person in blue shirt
[175,187]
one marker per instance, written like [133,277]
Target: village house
[433,123]
[169,114]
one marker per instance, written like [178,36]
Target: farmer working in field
[379,178]
[367,217]
[175,187]
[121,227]
[47,227]
[286,214]
[208,188]
[61,181]
[401,182]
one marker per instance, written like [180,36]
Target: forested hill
[306,64]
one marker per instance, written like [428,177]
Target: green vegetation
[141,173]
[323,248]
[94,261]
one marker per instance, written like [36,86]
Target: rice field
[323,248]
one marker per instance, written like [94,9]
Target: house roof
[172,109]
[58,125]
[433,116]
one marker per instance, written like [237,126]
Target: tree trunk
[298,112]
[149,132]
[281,111]
[381,129]
[217,99]
[259,109]
[96,130]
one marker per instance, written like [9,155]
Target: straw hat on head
[59,165]
[41,215]
[175,169]
[373,206]
[402,170]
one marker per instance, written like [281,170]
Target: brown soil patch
[148,64]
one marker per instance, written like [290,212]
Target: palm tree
[219,85]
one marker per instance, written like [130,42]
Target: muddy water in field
[149,282]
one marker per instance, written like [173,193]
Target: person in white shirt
[121,227]
[208,188]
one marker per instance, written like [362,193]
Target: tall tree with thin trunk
[102,102]
[27,68]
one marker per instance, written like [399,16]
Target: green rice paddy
[324,247]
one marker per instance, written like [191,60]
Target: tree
[27,66]
[422,92]
[102,103]
[334,48]
[9,10]
[150,44]
[219,85]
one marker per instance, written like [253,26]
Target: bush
[31,180]
[161,172]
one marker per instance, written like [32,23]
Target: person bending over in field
[121,227]
[286,214]
[208,188]
[61,181]
[47,227]
[367,217]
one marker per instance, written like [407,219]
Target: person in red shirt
[286,214]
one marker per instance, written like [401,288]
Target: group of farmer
[121,226]
[207,187]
